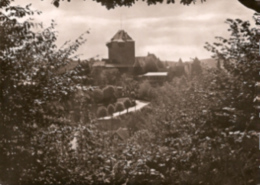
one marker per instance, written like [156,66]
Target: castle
[121,56]
[121,50]
[121,53]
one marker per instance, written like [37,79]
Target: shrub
[146,91]
[133,95]
[111,109]
[133,103]
[109,94]
[120,107]
[98,95]
[127,104]
[102,112]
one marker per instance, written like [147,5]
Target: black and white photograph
[128,92]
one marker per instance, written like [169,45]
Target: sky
[170,32]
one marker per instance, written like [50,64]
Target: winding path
[139,105]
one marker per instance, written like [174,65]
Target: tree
[98,95]
[102,112]
[252,4]
[111,75]
[109,94]
[115,3]
[29,83]
[196,68]
[105,77]
[111,109]
[151,63]
[180,62]
[196,139]
[120,107]
[127,104]
[129,84]
[136,122]
[239,56]
[137,68]
[150,66]
[98,77]
[133,95]
[255,5]
[146,91]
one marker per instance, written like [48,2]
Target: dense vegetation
[252,4]
[199,129]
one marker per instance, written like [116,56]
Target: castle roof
[121,36]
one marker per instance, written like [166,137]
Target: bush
[133,103]
[146,91]
[127,104]
[109,95]
[111,109]
[120,107]
[102,112]
[133,95]
[98,95]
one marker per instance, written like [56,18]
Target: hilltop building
[121,50]
[121,55]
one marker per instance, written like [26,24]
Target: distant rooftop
[156,74]
[121,36]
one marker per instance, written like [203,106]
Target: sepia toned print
[129,92]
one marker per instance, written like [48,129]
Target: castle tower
[121,49]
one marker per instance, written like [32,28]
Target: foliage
[58,161]
[176,71]
[136,122]
[111,109]
[196,68]
[255,5]
[102,112]
[198,130]
[129,85]
[109,95]
[252,4]
[238,55]
[133,103]
[97,95]
[115,3]
[127,103]
[151,63]
[207,133]
[105,77]
[146,91]
[30,86]
[137,68]
[119,107]
[112,76]
[98,78]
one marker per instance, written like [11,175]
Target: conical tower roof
[121,36]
